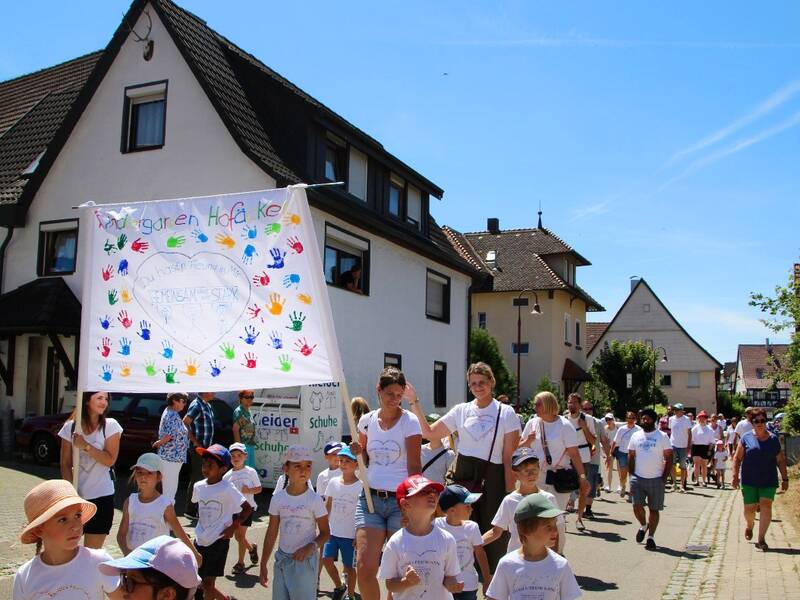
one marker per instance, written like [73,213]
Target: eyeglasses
[129,584]
[757,421]
[246,396]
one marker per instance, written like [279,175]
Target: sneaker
[607,490]
[640,535]
[339,592]
[650,544]
[588,513]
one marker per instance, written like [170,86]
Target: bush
[527,411]
[731,405]
[791,418]
[483,348]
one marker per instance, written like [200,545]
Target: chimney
[635,281]
[493,225]
[769,348]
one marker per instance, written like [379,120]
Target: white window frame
[689,379]
[567,325]
[356,180]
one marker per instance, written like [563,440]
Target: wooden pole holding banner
[351,422]
[76,454]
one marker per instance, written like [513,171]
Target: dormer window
[414,207]
[491,258]
[397,189]
[144,117]
[335,158]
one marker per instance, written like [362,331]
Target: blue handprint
[250,335]
[199,236]
[277,258]
[105,322]
[276,340]
[215,369]
[144,330]
[122,269]
[249,233]
[249,252]
[290,280]
[167,349]
[125,347]
[107,371]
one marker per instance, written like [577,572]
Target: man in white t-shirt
[649,462]
[742,427]
[680,438]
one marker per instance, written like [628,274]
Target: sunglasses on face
[756,421]
[246,396]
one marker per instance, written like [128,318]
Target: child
[247,482]
[436,458]
[221,507]
[525,465]
[534,568]
[56,515]
[420,560]
[163,566]
[148,513]
[341,501]
[331,451]
[298,514]
[720,462]
[456,503]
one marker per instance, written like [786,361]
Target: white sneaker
[607,490]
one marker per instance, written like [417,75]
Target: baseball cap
[149,462]
[297,453]
[609,417]
[237,446]
[521,455]
[414,484]
[332,448]
[217,451]
[347,453]
[702,415]
[535,505]
[456,494]
[165,554]
[678,406]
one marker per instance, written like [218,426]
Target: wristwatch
[583,475]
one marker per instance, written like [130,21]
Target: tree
[612,367]
[526,410]
[483,348]
[730,404]
[783,314]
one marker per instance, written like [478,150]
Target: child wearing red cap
[420,559]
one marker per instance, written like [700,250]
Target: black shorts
[214,557]
[101,522]
[700,451]
[248,521]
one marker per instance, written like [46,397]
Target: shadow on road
[679,553]
[609,520]
[244,580]
[789,551]
[592,584]
[608,536]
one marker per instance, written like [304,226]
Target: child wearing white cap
[246,480]
[148,514]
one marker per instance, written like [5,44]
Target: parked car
[139,415]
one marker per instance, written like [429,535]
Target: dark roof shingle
[594,331]
[44,305]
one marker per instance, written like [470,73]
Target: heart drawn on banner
[196,316]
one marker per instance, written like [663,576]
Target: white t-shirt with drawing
[216,505]
[298,515]
[504,517]
[79,579]
[467,536]
[475,427]
[649,449]
[94,478]
[344,499]
[560,435]
[388,461]
[146,520]
[324,477]
[548,579]
[242,478]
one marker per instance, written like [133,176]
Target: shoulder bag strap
[547,456]
[494,439]
[434,459]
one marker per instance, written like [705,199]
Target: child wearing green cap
[534,567]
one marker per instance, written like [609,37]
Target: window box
[437,296]
[58,247]
[144,117]
[346,260]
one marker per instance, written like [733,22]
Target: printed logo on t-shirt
[383,453]
[68,592]
[424,564]
[465,551]
[479,425]
[210,511]
[142,531]
[525,587]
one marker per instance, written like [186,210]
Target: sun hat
[165,554]
[217,451]
[333,448]
[347,453]
[609,417]
[297,453]
[535,505]
[456,494]
[414,484]
[237,446]
[149,462]
[46,500]
[522,455]
[678,406]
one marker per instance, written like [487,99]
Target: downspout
[3,246]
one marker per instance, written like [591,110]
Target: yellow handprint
[291,219]
[225,240]
[125,296]
[125,370]
[304,298]
[276,303]
[191,367]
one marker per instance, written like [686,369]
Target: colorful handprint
[276,302]
[191,367]
[291,219]
[250,360]
[228,351]
[121,241]
[275,340]
[291,280]
[253,311]
[225,240]
[107,373]
[125,347]
[272,229]
[105,347]
[295,245]
[105,322]
[144,330]
[199,236]
[139,246]
[284,363]
[125,296]
[166,349]
[261,280]
[169,374]
[304,298]
[175,241]
[214,368]
[248,254]
[124,319]
[277,258]
[109,247]
[250,335]
[108,272]
[150,367]
[125,370]
[122,269]
[296,320]
[249,233]
[113,298]
[301,346]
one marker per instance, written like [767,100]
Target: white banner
[208,294]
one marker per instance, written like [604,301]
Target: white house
[177,110]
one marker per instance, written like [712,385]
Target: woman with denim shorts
[390,439]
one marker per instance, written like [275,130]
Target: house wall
[740,387]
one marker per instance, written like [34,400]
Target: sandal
[254,554]
[762,546]
[238,568]
[748,534]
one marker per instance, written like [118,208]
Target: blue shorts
[681,455]
[334,545]
[387,516]
[622,458]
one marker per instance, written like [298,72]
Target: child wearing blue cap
[221,507]
[341,501]
[331,451]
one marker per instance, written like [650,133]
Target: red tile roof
[594,331]
[756,356]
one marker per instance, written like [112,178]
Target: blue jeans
[294,579]
[387,515]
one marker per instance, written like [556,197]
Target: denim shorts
[648,491]
[334,545]
[622,458]
[387,515]
[680,456]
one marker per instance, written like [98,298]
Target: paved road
[606,558]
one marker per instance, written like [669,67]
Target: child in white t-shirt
[298,522]
[456,503]
[147,514]
[720,462]
[247,482]
[331,451]
[525,465]
[534,570]
[56,515]
[341,502]
[420,560]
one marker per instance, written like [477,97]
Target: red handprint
[262,280]
[295,245]
[124,319]
[303,348]
[108,272]
[139,246]
[105,347]
[254,311]
[250,359]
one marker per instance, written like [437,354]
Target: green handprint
[175,241]
[296,321]
[121,241]
[170,374]
[109,247]
[228,351]
[285,363]
[150,368]
[272,229]
[112,297]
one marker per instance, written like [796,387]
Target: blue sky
[661,140]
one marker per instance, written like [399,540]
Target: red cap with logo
[414,484]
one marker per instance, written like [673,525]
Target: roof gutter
[3,246]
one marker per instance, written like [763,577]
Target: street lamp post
[655,360]
[535,311]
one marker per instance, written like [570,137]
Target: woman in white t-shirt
[475,423]
[390,438]
[730,435]
[555,442]
[97,439]
[703,439]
